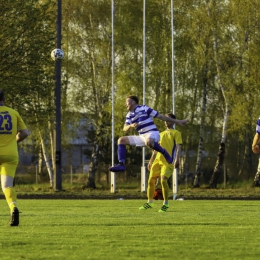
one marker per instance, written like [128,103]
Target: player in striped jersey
[141,117]
[12,131]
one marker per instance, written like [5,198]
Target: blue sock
[158,148]
[121,152]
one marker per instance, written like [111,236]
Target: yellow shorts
[160,169]
[8,164]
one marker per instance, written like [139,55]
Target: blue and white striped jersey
[143,115]
[258,126]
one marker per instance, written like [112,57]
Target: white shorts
[139,140]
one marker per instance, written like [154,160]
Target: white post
[113,176]
[113,182]
[143,170]
[172,27]
[143,179]
[175,171]
[175,183]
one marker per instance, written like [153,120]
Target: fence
[79,174]
[74,175]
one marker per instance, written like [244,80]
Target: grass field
[130,189]
[117,229]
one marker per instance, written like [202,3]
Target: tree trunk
[196,180]
[221,150]
[246,161]
[219,164]
[53,152]
[47,161]
[92,169]
[40,161]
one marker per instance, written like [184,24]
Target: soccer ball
[57,54]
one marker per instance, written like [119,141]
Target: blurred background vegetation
[217,53]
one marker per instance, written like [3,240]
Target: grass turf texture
[131,190]
[117,229]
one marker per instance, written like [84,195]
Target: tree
[229,60]
[88,33]
[26,69]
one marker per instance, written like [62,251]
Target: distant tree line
[216,75]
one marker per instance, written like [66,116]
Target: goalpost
[175,171]
[113,175]
[143,167]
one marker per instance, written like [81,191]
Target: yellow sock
[165,189]
[10,196]
[150,189]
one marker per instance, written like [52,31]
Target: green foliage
[27,72]
[25,67]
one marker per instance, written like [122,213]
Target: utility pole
[57,128]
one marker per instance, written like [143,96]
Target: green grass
[129,187]
[132,190]
[117,229]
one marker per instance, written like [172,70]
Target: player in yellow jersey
[171,140]
[12,131]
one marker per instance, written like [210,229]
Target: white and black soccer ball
[57,54]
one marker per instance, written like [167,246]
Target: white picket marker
[143,179]
[113,182]
[175,183]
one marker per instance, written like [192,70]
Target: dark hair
[2,95]
[171,115]
[135,98]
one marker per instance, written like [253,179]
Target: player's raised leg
[121,153]
[153,144]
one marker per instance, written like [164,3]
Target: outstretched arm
[169,119]
[21,135]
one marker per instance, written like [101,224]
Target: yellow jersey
[168,140]
[10,123]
